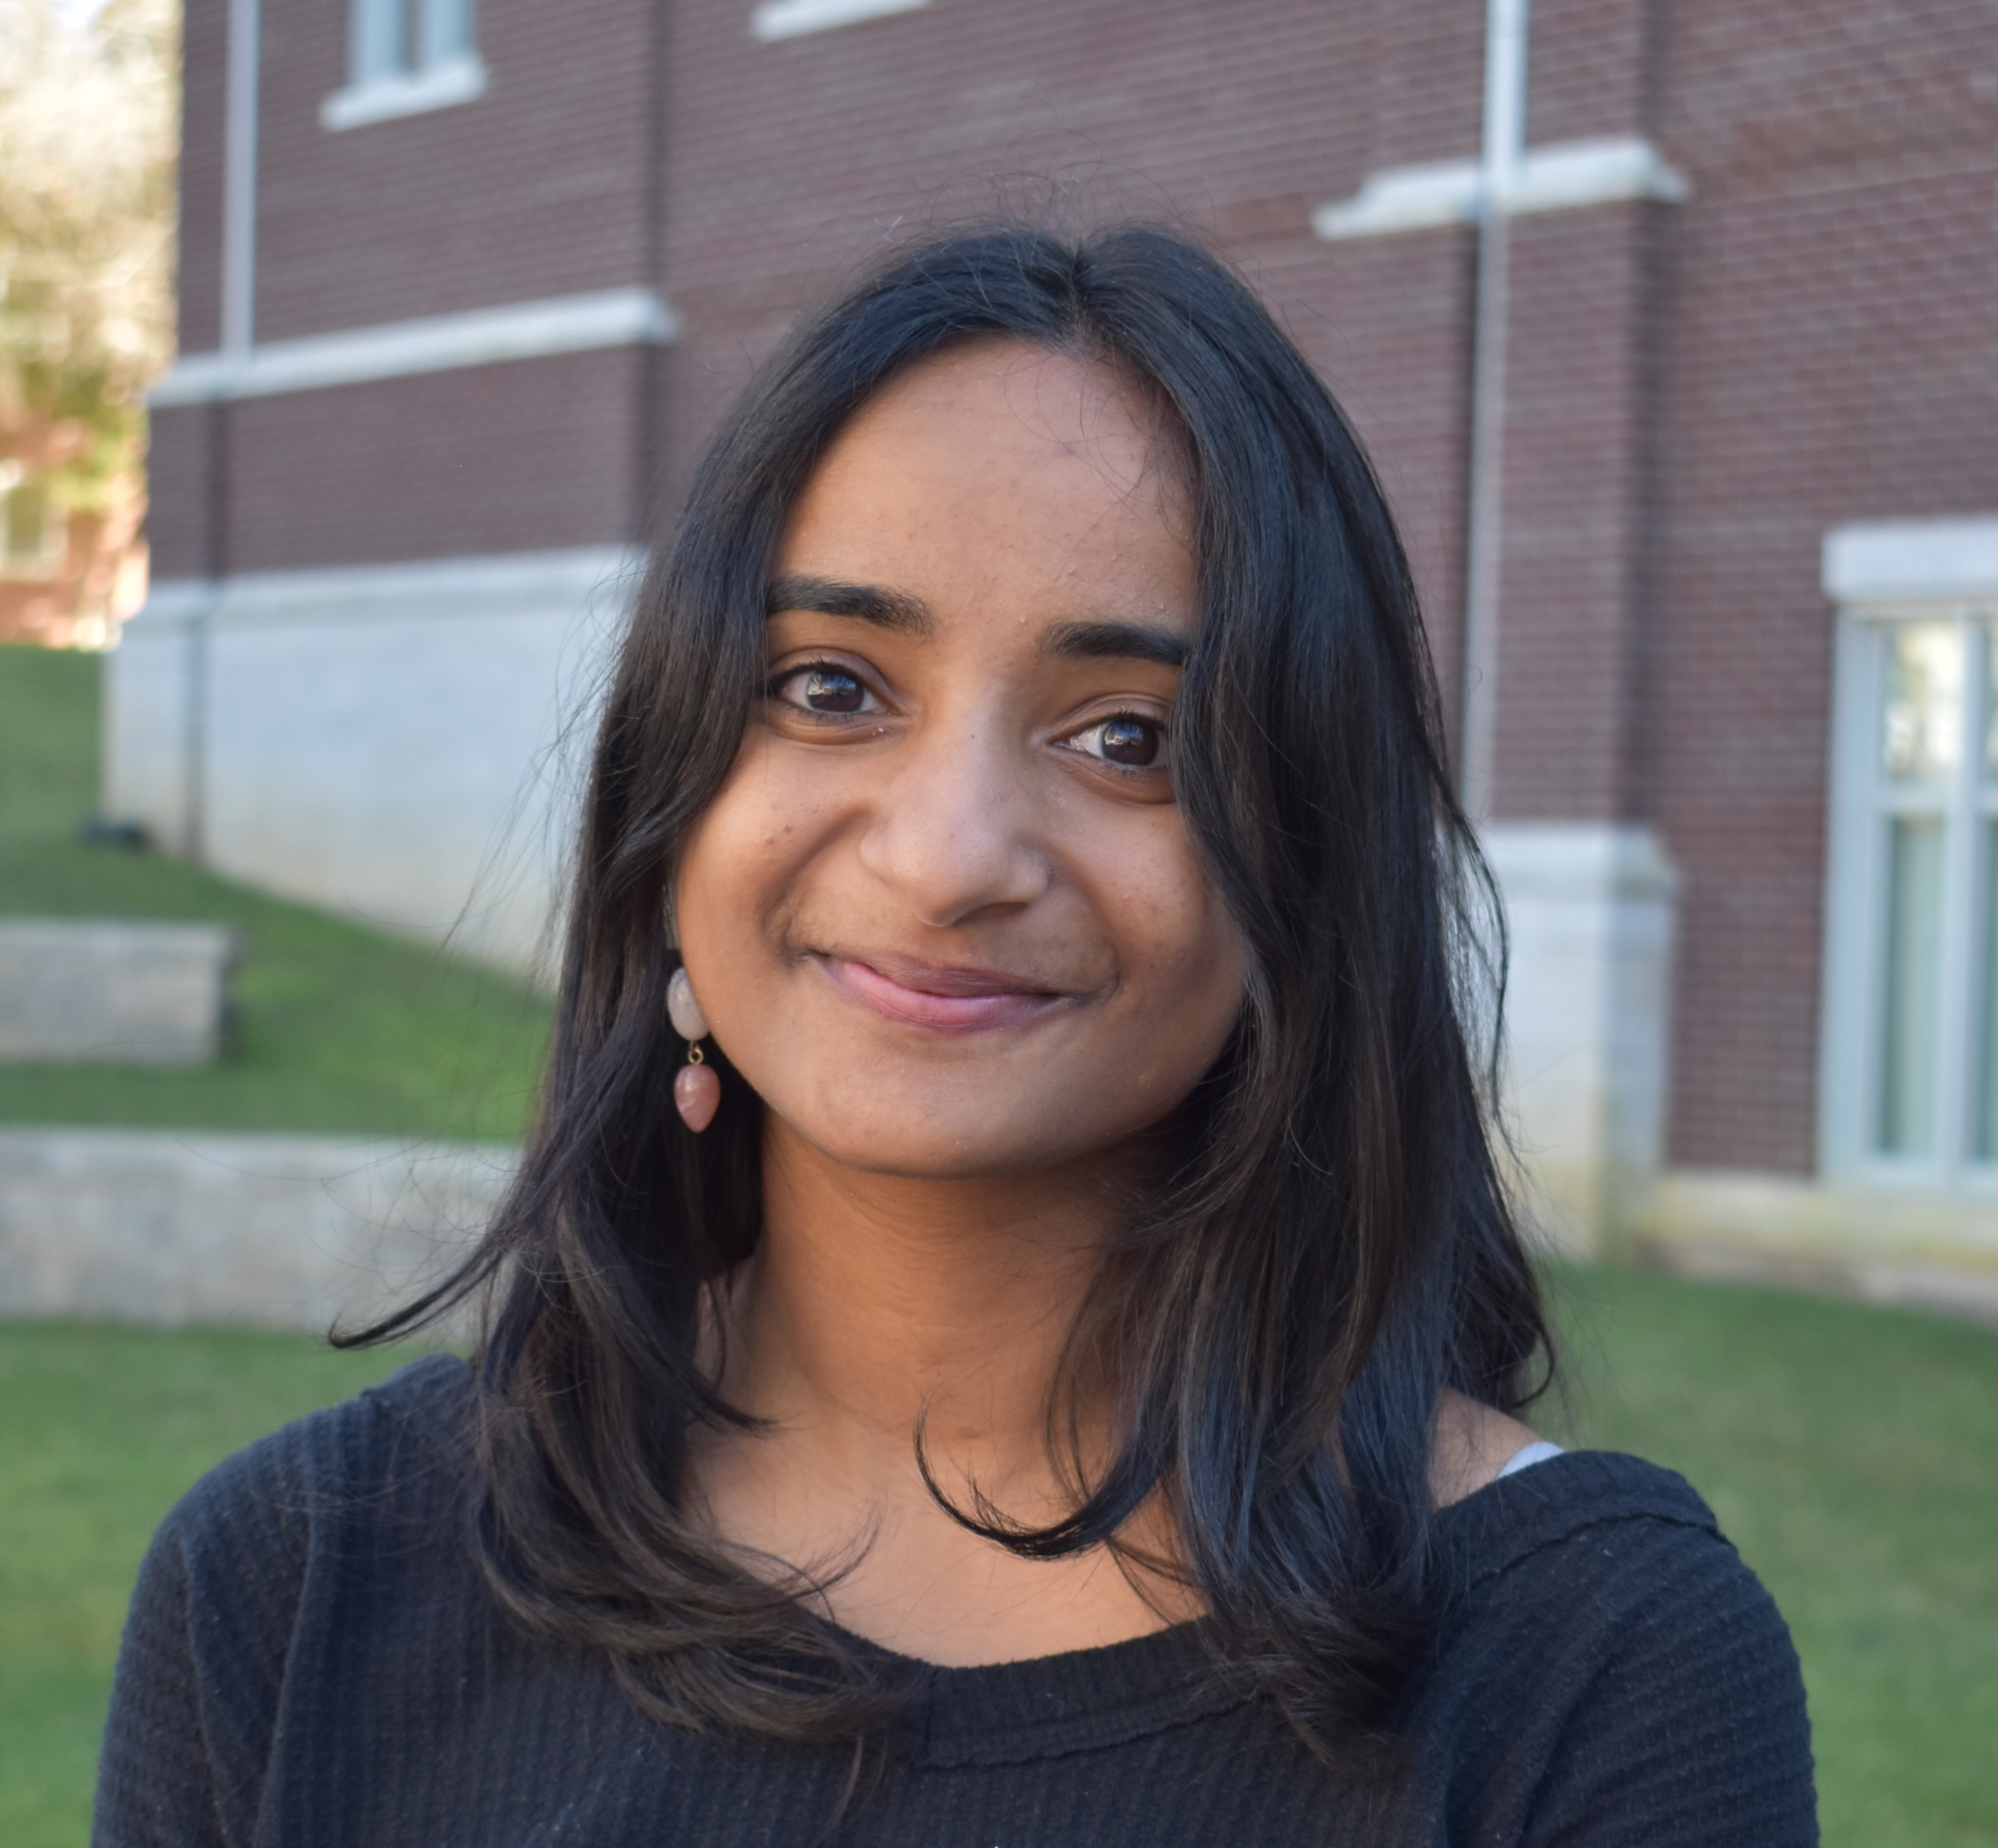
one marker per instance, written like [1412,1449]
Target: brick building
[461,295]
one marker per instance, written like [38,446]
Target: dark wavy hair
[1332,1247]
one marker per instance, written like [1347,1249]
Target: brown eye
[825,688]
[1129,742]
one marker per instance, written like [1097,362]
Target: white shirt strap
[1532,1453]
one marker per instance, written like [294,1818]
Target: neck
[876,1303]
[876,1307]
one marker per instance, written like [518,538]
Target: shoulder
[352,1500]
[398,1450]
[1583,1542]
[1512,1521]
[1612,1666]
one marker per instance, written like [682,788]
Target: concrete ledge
[383,98]
[1925,1251]
[1874,560]
[170,1227]
[433,343]
[776,19]
[1562,177]
[275,723]
[80,991]
[1591,912]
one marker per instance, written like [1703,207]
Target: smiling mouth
[958,1000]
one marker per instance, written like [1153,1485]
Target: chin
[921,1141]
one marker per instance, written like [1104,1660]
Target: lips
[946,1000]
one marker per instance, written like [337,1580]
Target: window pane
[1990,702]
[447,30]
[379,50]
[1985,1132]
[1922,720]
[1911,1012]
[28,526]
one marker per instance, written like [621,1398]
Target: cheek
[738,870]
[773,858]
[1181,950]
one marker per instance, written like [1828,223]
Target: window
[403,38]
[33,532]
[1912,964]
[404,56]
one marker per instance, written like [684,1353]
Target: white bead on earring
[696,1090]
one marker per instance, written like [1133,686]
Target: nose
[953,831]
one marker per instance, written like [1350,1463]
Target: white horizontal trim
[1423,198]
[1556,179]
[1577,860]
[436,343]
[493,584]
[405,93]
[1577,173]
[791,18]
[173,603]
[1878,560]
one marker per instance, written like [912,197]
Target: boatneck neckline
[1189,1631]
[1039,1707]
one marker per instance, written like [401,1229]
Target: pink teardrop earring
[696,1090]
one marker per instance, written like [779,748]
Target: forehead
[1000,469]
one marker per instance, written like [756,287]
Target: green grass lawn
[100,1430]
[1852,1454]
[340,1028]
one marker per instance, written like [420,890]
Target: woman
[1008,1329]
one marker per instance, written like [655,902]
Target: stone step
[177,1227]
[113,991]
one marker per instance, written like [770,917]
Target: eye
[823,687]
[1126,739]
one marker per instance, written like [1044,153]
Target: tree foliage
[89,131]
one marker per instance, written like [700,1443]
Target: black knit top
[312,1659]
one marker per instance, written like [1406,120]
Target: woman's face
[945,916]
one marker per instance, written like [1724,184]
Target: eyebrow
[1115,642]
[886,609]
[908,615]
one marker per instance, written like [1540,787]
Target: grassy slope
[342,1029]
[1852,1454]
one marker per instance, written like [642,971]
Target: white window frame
[441,77]
[1881,576]
[775,19]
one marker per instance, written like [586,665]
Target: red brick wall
[204,43]
[1830,355]
[1698,391]
[1386,320]
[792,162]
[1577,495]
[538,188]
[180,464]
[1594,68]
[534,454]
